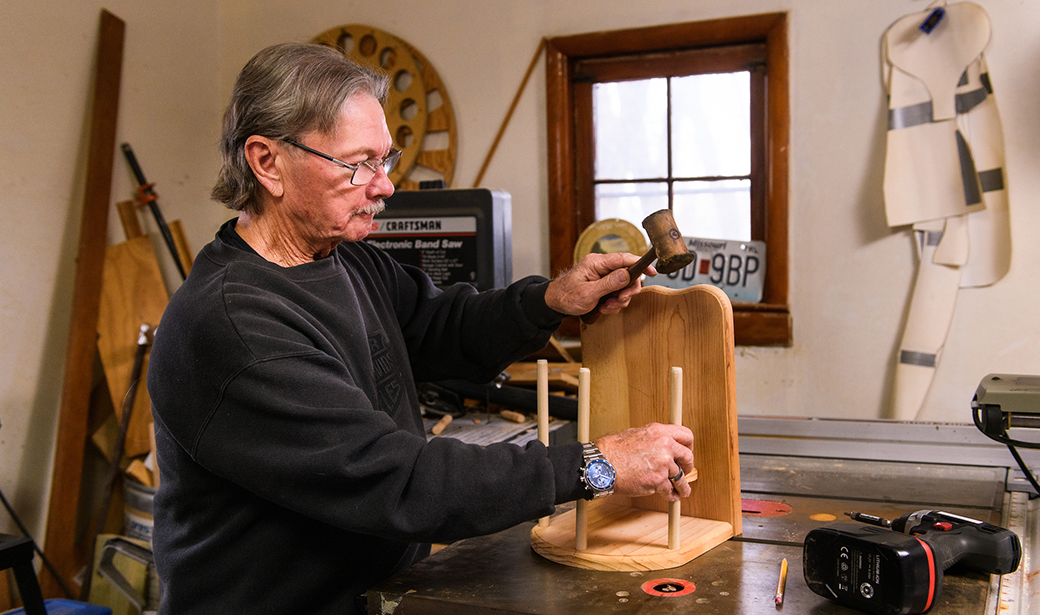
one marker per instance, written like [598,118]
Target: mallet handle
[634,271]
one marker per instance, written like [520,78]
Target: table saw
[796,475]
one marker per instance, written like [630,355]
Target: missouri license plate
[737,267]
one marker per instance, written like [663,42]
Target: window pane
[711,125]
[632,202]
[631,129]
[714,210]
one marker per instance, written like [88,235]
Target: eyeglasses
[363,172]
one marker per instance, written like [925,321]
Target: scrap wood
[132,292]
[63,507]
[561,375]
[558,347]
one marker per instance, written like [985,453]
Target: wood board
[66,478]
[132,293]
[562,376]
[623,538]
[630,356]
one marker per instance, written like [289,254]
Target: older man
[296,472]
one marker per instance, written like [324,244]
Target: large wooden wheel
[418,111]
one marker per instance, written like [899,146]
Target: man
[295,468]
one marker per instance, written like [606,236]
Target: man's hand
[645,457]
[577,291]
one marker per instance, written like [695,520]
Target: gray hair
[285,90]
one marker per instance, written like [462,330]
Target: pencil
[781,583]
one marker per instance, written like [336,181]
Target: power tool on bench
[896,567]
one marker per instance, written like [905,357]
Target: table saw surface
[784,497]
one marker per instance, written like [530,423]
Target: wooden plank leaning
[60,538]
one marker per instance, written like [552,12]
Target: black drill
[875,569]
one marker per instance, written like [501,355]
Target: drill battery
[872,569]
[878,570]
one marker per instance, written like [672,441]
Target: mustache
[372,209]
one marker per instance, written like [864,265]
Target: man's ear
[263,159]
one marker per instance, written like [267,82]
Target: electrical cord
[1025,469]
[25,532]
[1011,443]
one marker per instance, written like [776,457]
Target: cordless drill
[896,567]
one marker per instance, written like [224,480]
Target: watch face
[600,474]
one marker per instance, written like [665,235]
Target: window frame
[571,204]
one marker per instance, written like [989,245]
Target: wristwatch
[596,472]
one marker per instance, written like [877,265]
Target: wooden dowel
[581,513]
[584,412]
[509,114]
[674,508]
[542,375]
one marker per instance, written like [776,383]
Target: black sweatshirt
[295,469]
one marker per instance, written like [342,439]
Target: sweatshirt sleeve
[354,468]
[281,387]
[459,333]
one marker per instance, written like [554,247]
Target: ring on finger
[678,477]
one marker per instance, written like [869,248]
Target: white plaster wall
[850,274]
[169,110]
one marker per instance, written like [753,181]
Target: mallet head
[667,241]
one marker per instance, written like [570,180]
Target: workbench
[796,474]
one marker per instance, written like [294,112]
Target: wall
[850,274]
[169,112]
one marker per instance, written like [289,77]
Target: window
[615,97]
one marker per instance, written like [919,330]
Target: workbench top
[784,498]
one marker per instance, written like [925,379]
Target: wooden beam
[60,539]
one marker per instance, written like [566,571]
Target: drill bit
[870,519]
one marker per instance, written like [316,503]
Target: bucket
[137,510]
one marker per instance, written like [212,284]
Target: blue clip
[933,20]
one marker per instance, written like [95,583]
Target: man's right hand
[645,457]
[578,290]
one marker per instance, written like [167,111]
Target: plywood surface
[132,293]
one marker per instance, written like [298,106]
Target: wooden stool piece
[629,355]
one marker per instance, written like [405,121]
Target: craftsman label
[737,267]
[445,247]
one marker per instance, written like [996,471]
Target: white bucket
[137,511]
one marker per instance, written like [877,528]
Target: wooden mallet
[667,247]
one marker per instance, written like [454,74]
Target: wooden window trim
[768,323]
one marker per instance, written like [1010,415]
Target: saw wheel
[418,111]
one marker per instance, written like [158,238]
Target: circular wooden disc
[418,111]
[435,158]
[610,236]
[405,106]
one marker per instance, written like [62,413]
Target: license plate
[737,267]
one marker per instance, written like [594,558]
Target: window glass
[631,129]
[711,125]
[630,201]
[714,209]
[710,140]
